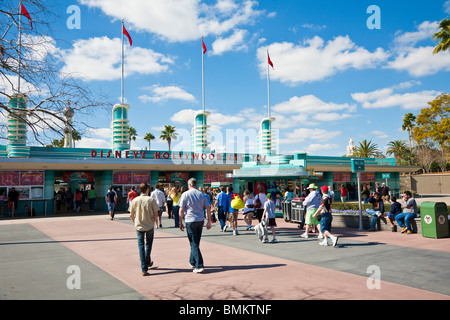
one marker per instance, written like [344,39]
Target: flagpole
[268,85]
[20,45]
[122,63]
[203,77]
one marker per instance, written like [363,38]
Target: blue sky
[334,78]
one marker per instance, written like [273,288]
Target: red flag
[270,61]
[24,12]
[204,47]
[125,32]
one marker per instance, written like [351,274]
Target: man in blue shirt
[396,208]
[222,205]
[193,204]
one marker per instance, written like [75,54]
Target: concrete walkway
[36,256]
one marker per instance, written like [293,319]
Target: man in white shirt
[160,199]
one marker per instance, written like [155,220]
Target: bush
[353,208]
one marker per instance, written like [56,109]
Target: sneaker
[304,235]
[150,264]
[394,229]
[266,240]
[234,232]
[145,274]
[320,236]
[334,240]
[409,232]
[224,228]
[198,270]
[404,230]
[324,243]
[248,227]
[274,240]
[192,267]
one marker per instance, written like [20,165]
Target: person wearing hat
[325,222]
[311,203]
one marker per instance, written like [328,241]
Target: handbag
[257,203]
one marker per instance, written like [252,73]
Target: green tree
[149,137]
[433,123]
[132,134]
[398,148]
[408,124]
[367,149]
[168,134]
[443,36]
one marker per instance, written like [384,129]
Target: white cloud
[388,98]
[180,20]
[100,59]
[447,6]
[305,134]
[216,120]
[418,61]
[162,94]
[315,60]
[309,110]
[235,42]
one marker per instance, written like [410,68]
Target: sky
[335,76]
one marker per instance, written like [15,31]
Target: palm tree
[75,136]
[132,133]
[408,124]
[367,149]
[398,148]
[149,137]
[168,134]
[443,36]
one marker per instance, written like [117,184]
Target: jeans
[222,216]
[92,203]
[405,218]
[374,215]
[194,233]
[176,215]
[145,247]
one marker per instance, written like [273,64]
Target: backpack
[257,203]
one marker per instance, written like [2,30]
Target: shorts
[233,216]
[325,222]
[271,222]
[309,220]
[110,206]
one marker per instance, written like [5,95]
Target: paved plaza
[38,257]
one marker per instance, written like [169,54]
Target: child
[269,217]
[326,218]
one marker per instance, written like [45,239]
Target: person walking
[325,221]
[222,208]
[175,195]
[343,193]
[160,199]
[192,209]
[144,212]
[92,196]
[269,218]
[248,209]
[111,199]
[258,204]
[311,203]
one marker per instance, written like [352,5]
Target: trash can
[286,208]
[434,220]
[298,211]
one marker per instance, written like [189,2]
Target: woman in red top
[77,200]
[343,193]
